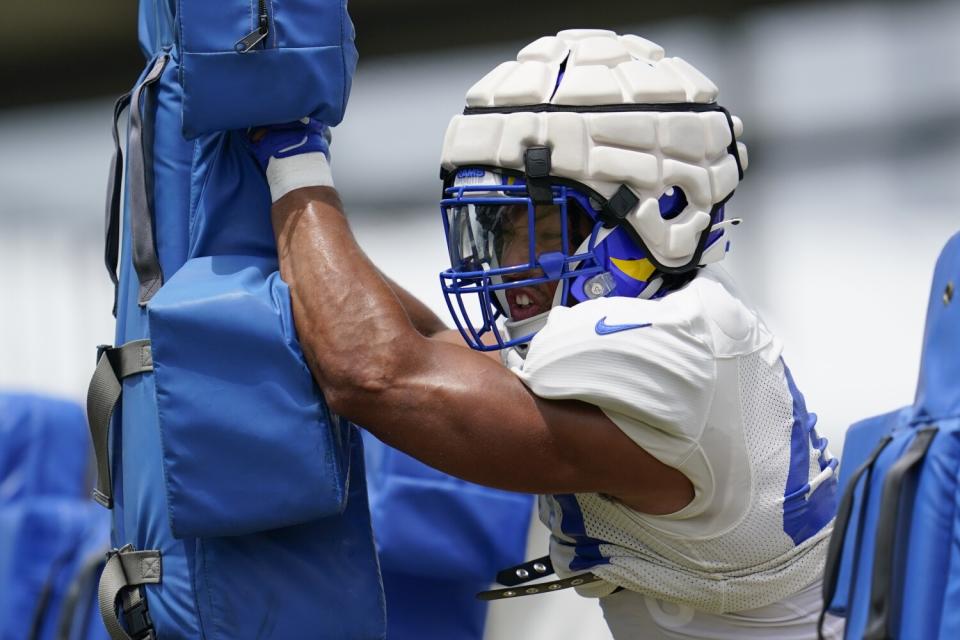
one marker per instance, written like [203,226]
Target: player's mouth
[526,302]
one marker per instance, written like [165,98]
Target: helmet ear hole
[672,203]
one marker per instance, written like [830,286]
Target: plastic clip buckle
[139,623]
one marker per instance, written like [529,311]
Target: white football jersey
[696,379]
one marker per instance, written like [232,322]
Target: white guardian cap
[586,123]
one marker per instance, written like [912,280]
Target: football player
[615,370]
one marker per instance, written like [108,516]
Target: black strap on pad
[880,614]
[111,250]
[103,394]
[140,183]
[831,572]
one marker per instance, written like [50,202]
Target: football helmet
[591,166]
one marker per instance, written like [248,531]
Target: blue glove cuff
[292,139]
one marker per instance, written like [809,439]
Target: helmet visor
[509,236]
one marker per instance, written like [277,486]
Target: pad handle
[879,619]
[831,571]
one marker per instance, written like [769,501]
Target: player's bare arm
[420,395]
[421,317]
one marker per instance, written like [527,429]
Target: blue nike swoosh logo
[604,329]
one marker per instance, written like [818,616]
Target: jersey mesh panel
[752,564]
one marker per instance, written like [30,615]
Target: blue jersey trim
[586,548]
[804,515]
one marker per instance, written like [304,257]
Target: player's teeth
[523,300]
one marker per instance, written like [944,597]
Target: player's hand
[290,139]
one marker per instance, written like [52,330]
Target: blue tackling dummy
[893,569]
[238,500]
[439,539]
[52,537]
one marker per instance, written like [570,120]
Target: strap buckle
[139,622]
[123,577]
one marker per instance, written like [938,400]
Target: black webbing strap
[76,601]
[521,573]
[125,570]
[831,571]
[113,365]
[140,181]
[537,165]
[540,587]
[111,241]
[879,616]
[535,569]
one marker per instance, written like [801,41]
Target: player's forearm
[418,395]
[362,349]
[352,327]
[424,320]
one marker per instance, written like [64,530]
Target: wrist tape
[297,171]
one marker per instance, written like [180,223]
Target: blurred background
[852,119]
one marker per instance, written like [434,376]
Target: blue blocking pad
[863,436]
[938,390]
[861,557]
[248,443]
[899,567]
[225,460]
[439,539]
[314,580]
[928,553]
[43,542]
[49,527]
[435,526]
[860,440]
[298,60]
[925,569]
[28,469]
[419,608]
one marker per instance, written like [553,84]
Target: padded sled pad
[860,441]
[44,448]
[938,390]
[248,443]
[928,553]
[435,526]
[42,542]
[302,66]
